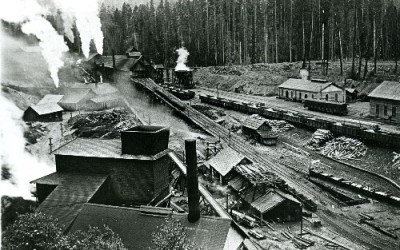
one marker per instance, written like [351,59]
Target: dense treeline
[223,32]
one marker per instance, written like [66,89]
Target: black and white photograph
[200,124]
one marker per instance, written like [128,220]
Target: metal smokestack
[192,181]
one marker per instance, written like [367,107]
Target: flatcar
[335,108]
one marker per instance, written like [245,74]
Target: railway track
[346,227]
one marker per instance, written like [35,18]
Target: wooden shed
[257,128]
[47,112]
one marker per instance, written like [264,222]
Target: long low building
[302,89]
[47,112]
[385,101]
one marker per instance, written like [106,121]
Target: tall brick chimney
[192,181]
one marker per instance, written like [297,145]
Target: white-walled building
[302,89]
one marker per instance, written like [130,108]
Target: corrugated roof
[135,227]
[304,85]
[72,191]
[75,95]
[100,148]
[225,160]
[387,90]
[122,62]
[255,122]
[50,99]
[46,108]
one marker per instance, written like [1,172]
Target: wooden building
[385,101]
[303,89]
[257,128]
[104,102]
[76,98]
[351,95]
[222,165]
[46,112]
[131,171]
[270,203]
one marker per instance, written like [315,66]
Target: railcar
[335,108]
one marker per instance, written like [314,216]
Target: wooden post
[61,128]
[50,145]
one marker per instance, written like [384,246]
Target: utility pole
[62,129]
[50,145]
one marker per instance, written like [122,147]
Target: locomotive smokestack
[192,181]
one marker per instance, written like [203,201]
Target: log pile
[279,126]
[319,138]
[343,148]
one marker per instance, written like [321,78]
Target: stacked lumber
[256,173]
[396,160]
[318,139]
[343,148]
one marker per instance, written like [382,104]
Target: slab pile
[343,148]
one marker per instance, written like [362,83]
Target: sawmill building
[76,98]
[384,101]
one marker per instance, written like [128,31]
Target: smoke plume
[30,13]
[85,13]
[182,59]
[22,165]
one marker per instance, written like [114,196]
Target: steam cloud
[30,14]
[23,166]
[182,59]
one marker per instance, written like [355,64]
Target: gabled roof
[75,95]
[265,202]
[304,85]
[50,99]
[105,98]
[158,66]
[135,54]
[225,160]
[98,88]
[46,108]
[387,90]
[135,227]
[122,62]
[68,198]
[351,90]
[255,122]
[131,49]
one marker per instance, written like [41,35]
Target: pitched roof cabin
[46,112]
[385,101]
[257,127]
[302,89]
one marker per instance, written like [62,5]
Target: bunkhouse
[302,89]
[76,98]
[384,101]
[222,165]
[258,128]
[47,112]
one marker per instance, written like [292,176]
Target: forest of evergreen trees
[223,32]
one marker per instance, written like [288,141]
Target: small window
[312,96]
[385,110]
[377,109]
[299,95]
[291,94]
[327,97]
[336,97]
[305,96]
[394,111]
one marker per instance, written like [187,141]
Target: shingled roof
[46,108]
[387,90]
[255,122]
[72,191]
[50,99]
[226,160]
[135,227]
[304,85]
